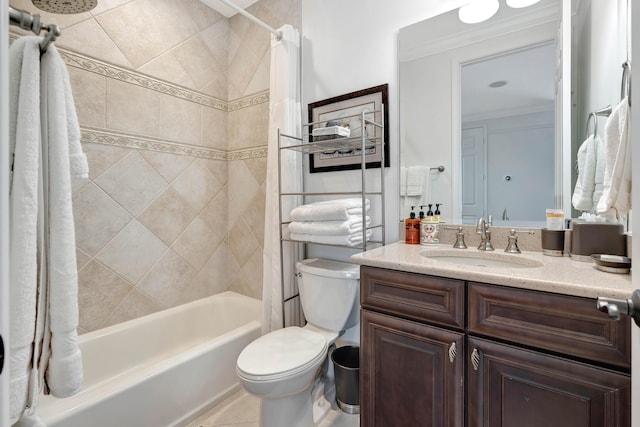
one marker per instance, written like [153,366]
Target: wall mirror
[485,101]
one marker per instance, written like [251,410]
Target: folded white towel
[349,240]
[329,228]
[329,210]
[417,180]
[591,165]
[62,137]
[24,131]
[616,194]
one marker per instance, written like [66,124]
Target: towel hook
[625,86]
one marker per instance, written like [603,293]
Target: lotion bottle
[412,229]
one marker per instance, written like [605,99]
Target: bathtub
[162,369]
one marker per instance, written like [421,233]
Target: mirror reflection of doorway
[508,135]
[473,174]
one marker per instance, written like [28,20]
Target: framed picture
[346,111]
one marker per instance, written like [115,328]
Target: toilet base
[291,411]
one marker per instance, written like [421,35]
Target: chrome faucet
[483,229]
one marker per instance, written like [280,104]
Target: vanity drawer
[413,296]
[560,323]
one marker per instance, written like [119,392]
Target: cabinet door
[513,387]
[411,374]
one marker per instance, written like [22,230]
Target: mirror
[482,100]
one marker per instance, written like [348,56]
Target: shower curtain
[284,114]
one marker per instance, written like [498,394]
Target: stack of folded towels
[335,222]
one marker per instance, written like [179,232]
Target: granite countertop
[561,275]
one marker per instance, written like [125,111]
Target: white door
[473,174]
[4,209]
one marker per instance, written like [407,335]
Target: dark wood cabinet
[510,386]
[411,374]
[444,352]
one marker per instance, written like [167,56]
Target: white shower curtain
[284,114]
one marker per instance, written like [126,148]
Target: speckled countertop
[561,275]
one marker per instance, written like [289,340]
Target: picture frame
[341,109]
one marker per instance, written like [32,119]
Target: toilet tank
[329,292]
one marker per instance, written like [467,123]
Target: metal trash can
[346,366]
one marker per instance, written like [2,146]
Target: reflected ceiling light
[516,4]
[478,11]
[498,83]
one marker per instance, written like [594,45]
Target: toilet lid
[285,351]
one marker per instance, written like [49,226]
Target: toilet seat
[282,353]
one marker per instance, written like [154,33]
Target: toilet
[281,366]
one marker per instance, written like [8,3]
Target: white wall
[351,45]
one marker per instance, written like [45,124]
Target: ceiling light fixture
[478,11]
[498,83]
[516,4]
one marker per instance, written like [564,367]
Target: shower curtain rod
[33,23]
[241,11]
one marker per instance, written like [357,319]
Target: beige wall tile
[88,37]
[218,87]
[101,157]
[252,273]
[249,127]
[213,276]
[198,61]
[219,169]
[129,27]
[168,215]
[214,128]
[132,182]
[198,242]
[90,96]
[242,186]
[216,213]
[167,164]
[258,168]
[105,5]
[216,38]
[242,67]
[254,216]
[99,293]
[98,218]
[180,120]
[167,67]
[168,281]
[242,244]
[82,259]
[134,109]
[197,185]
[133,306]
[259,81]
[132,252]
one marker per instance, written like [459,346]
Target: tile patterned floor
[243,410]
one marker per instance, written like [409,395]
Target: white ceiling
[226,10]
[530,75]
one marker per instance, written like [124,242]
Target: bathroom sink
[482,259]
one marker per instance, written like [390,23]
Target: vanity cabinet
[446,352]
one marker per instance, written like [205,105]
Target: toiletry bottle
[412,229]
[421,212]
[429,229]
[436,213]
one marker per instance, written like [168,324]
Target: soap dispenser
[436,214]
[429,229]
[412,229]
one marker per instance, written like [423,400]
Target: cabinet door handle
[452,352]
[475,359]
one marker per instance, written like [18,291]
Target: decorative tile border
[249,101]
[250,153]
[109,137]
[83,62]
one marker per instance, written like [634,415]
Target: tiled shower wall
[172,100]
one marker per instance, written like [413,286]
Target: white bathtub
[162,369]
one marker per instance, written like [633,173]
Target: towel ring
[605,112]
[625,86]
